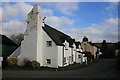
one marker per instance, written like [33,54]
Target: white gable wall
[49,52]
[28,46]
[31,47]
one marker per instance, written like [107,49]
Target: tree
[17,38]
[104,48]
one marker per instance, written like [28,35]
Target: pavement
[104,68]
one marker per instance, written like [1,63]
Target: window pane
[48,61]
[49,43]
[79,56]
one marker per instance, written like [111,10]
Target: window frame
[79,56]
[64,60]
[49,43]
[48,61]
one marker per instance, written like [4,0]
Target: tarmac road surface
[104,68]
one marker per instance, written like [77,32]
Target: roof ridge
[57,30]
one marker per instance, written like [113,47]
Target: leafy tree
[17,38]
[104,47]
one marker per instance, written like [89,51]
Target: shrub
[27,63]
[89,55]
[12,61]
[35,64]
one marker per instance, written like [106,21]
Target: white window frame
[64,60]
[49,43]
[48,61]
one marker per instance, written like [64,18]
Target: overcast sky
[96,20]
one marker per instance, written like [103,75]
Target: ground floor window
[72,57]
[48,61]
[79,56]
[64,60]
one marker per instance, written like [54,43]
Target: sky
[96,20]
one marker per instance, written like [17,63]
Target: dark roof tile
[57,36]
[6,40]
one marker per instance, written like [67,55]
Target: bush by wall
[27,63]
[33,64]
[12,61]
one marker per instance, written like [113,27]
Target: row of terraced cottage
[50,47]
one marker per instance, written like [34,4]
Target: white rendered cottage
[45,44]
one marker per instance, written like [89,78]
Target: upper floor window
[66,46]
[49,43]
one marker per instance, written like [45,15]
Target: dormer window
[49,43]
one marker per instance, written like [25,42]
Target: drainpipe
[75,55]
[63,55]
[71,55]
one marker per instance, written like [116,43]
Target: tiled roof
[6,40]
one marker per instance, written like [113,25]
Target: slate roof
[71,41]
[77,44]
[6,40]
[57,36]
[99,45]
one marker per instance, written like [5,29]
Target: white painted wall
[49,52]
[31,46]
[40,36]
[79,60]
[1,59]
[74,53]
[60,56]
[16,52]
[67,54]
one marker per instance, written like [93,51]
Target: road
[104,68]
